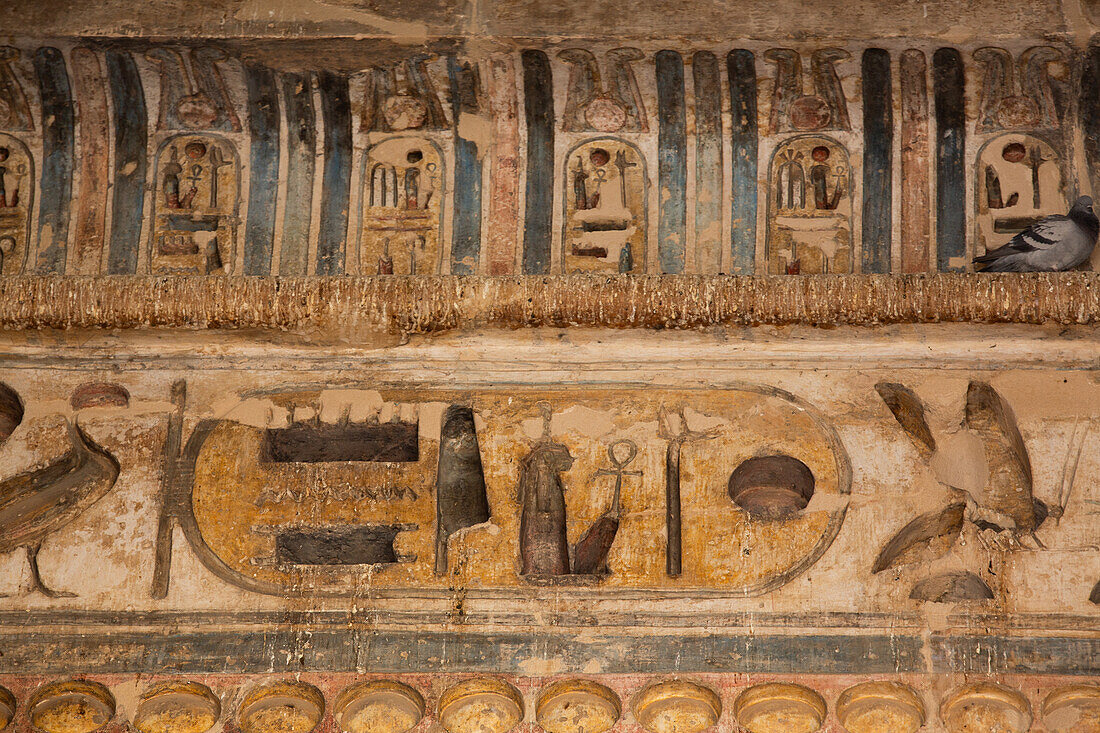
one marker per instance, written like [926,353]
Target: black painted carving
[771,487]
[952,588]
[878,160]
[460,495]
[948,85]
[543,547]
[590,553]
[538,101]
[391,442]
[173,443]
[11,411]
[368,545]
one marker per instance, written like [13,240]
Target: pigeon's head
[1083,204]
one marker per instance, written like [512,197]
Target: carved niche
[16,201]
[1019,181]
[809,208]
[605,207]
[403,203]
[196,200]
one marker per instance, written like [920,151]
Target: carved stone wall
[518,366]
[323,156]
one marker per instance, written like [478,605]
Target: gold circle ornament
[378,706]
[676,706]
[577,706]
[880,707]
[480,705]
[177,707]
[985,707]
[72,706]
[282,707]
[779,707]
[1073,709]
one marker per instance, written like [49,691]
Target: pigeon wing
[1042,235]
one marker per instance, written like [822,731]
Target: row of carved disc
[489,705]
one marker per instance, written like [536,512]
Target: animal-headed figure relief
[606,216]
[792,109]
[809,217]
[195,222]
[1021,93]
[595,105]
[545,551]
[543,542]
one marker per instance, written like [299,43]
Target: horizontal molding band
[412,651]
[434,304]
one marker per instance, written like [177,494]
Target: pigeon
[1054,244]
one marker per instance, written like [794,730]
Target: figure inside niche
[543,544]
[580,187]
[4,155]
[412,188]
[401,224]
[809,227]
[819,178]
[1019,182]
[171,180]
[195,220]
[605,215]
[791,182]
[385,261]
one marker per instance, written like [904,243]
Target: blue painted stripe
[128,105]
[57,160]
[744,138]
[671,162]
[263,126]
[336,177]
[538,102]
[466,242]
[707,86]
[948,86]
[301,129]
[878,160]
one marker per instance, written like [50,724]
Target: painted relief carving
[606,216]
[15,113]
[460,498]
[16,201]
[794,110]
[593,104]
[403,201]
[37,503]
[1019,182]
[193,92]
[402,97]
[530,487]
[995,508]
[810,208]
[1021,93]
[545,552]
[197,193]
